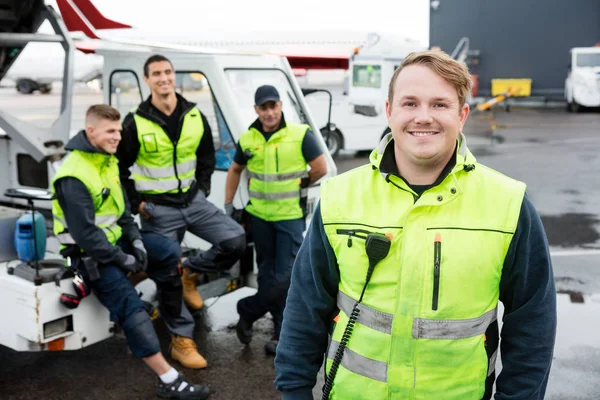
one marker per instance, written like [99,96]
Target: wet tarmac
[108,371]
[555,153]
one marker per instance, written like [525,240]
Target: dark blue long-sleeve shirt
[526,290]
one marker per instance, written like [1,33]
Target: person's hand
[132,265]
[142,210]
[229,210]
[140,253]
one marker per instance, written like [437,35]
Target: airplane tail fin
[96,18]
[82,15]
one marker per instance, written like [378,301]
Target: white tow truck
[358,117]
[35,320]
[582,86]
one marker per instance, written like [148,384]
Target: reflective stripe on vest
[422,328]
[368,316]
[452,329]
[358,364]
[66,238]
[279,196]
[278,177]
[163,172]
[162,186]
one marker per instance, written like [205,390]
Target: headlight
[58,326]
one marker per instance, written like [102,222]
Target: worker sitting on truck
[91,212]
[166,161]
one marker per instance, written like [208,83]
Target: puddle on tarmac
[571,229]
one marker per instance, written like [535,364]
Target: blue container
[24,242]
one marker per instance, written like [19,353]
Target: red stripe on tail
[96,18]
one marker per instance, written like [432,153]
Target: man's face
[104,134]
[425,117]
[269,115]
[161,78]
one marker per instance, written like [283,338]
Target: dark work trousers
[117,294]
[163,262]
[276,245]
[205,220]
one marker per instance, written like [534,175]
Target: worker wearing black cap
[276,154]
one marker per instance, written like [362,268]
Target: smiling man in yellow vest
[166,160]
[90,212]
[407,258]
[276,154]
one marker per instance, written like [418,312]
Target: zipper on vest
[437,256]
[178,136]
[359,233]
[276,158]
[175,165]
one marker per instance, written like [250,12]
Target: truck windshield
[366,76]
[588,60]
[244,83]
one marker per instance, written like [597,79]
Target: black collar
[388,166]
[258,126]
[148,111]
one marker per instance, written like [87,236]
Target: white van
[582,86]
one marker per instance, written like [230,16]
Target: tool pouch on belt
[304,183]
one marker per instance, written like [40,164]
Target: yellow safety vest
[97,172]
[161,165]
[276,168]
[421,328]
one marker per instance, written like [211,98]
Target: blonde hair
[443,65]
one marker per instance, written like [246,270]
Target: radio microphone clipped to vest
[377,247]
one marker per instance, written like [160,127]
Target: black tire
[25,86]
[334,140]
[46,88]
[575,107]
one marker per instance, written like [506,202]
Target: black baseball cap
[265,93]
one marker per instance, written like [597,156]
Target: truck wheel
[26,86]
[45,88]
[333,139]
[575,107]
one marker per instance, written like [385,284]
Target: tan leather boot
[184,350]
[190,294]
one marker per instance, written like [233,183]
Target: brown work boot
[190,294]
[184,350]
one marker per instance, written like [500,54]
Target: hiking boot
[190,294]
[243,329]
[181,388]
[184,350]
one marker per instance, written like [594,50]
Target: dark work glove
[131,264]
[139,251]
[229,210]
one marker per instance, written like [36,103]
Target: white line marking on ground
[573,253]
